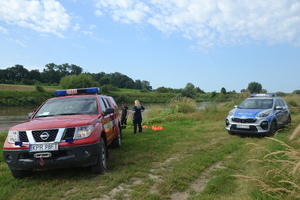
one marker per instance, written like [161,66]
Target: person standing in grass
[137,116]
[124,115]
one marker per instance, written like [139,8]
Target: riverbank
[22,95]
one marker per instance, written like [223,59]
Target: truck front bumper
[74,156]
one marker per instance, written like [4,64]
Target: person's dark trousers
[137,123]
[123,123]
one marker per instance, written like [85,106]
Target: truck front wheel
[19,174]
[100,166]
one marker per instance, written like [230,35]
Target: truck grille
[69,133]
[52,135]
[23,136]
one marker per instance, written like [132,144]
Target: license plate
[44,147]
[243,126]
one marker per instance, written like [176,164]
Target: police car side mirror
[109,110]
[278,108]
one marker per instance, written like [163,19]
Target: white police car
[258,114]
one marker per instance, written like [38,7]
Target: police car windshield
[69,106]
[256,104]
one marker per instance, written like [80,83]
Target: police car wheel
[19,174]
[289,120]
[100,166]
[273,129]
[231,133]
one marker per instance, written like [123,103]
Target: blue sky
[209,43]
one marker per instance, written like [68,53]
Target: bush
[39,88]
[78,81]
[183,105]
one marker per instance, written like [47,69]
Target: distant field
[23,87]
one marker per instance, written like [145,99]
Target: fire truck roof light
[263,95]
[77,91]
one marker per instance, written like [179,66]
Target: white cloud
[3,30]
[98,13]
[126,11]
[18,42]
[213,22]
[93,26]
[76,27]
[45,16]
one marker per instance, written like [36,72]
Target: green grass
[193,156]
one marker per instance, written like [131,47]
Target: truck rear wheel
[116,143]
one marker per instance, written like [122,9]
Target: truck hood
[55,122]
[248,113]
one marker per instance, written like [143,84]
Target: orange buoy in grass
[156,128]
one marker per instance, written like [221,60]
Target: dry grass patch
[277,173]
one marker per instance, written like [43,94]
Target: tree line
[53,74]
[72,76]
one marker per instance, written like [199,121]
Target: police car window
[277,103]
[281,102]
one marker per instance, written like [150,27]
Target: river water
[10,116]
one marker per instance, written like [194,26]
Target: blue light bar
[77,91]
[263,95]
[19,143]
[70,140]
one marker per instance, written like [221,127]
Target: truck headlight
[12,136]
[83,131]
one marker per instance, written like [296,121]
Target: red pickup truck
[74,129]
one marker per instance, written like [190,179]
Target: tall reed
[279,175]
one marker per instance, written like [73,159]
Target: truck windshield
[69,106]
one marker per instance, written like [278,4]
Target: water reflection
[10,116]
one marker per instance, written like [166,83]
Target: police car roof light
[263,95]
[77,91]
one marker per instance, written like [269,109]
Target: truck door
[107,120]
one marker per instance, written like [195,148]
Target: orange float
[156,128]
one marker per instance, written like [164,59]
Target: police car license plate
[243,126]
[44,147]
